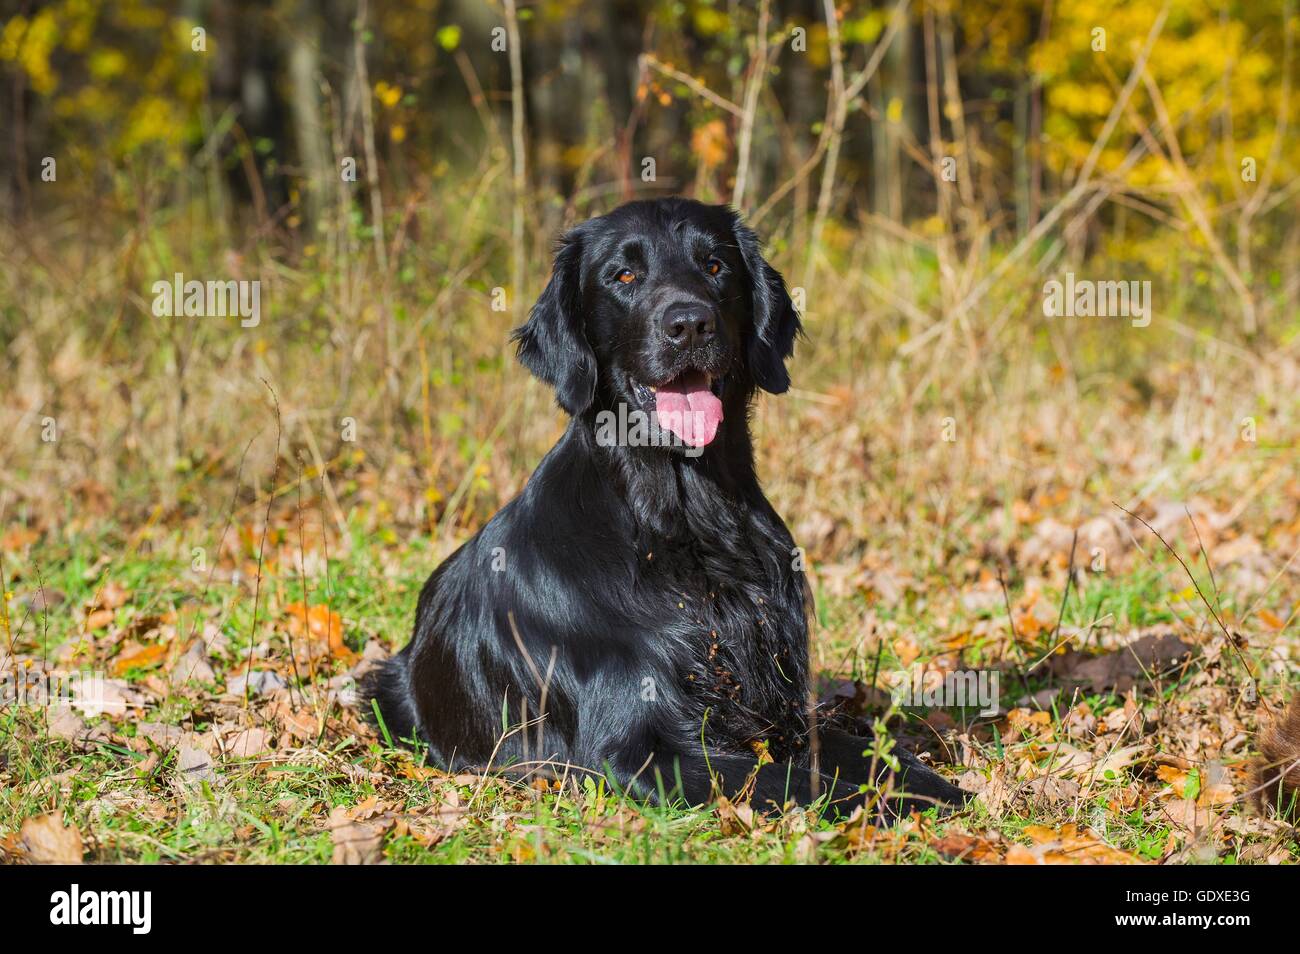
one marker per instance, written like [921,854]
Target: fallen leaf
[1052,790]
[111,596]
[42,600]
[194,765]
[18,538]
[1175,777]
[319,623]
[356,842]
[47,841]
[1031,723]
[734,819]
[1136,663]
[418,773]
[260,682]
[138,657]
[1271,620]
[433,823]
[248,743]
[1068,846]
[299,724]
[96,696]
[193,667]
[959,847]
[1185,814]
[162,735]
[145,623]
[64,723]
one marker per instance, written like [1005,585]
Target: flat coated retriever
[640,610]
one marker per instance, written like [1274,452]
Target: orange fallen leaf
[139,657]
[1032,723]
[1271,621]
[356,842]
[18,538]
[299,724]
[319,623]
[958,640]
[959,847]
[734,819]
[1068,846]
[98,619]
[1174,777]
[418,773]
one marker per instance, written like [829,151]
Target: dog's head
[667,307]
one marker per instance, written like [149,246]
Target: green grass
[127,798]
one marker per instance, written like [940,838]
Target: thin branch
[754,84]
[691,83]
[517,149]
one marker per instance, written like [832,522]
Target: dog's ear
[776,323]
[552,343]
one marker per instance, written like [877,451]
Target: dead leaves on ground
[961,847]
[1068,845]
[358,833]
[45,840]
[320,628]
[138,657]
[1149,659]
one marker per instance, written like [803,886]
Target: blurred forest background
[386,170]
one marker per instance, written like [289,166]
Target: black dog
[638,610]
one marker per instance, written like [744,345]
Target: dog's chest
[738,648]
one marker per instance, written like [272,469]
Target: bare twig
[517,150]
[753,85]
[837,114]
[691,83]
[1232,642]
[261,547]
[852,92]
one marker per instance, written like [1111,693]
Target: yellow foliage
[30,43]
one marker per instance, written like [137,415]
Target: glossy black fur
[645,600]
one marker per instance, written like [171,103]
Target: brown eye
[713,266]
[626,276]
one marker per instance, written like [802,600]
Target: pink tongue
[689,409]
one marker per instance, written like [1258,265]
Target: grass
[132,802]
[205,479]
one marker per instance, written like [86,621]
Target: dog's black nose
[688,325]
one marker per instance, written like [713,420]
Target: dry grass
[924,454]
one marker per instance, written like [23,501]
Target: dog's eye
[713,266]
[626,276]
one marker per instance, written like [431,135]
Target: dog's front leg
[695,778]
[915,786]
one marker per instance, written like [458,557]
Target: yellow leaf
[1271,621]
[1067,846]
[709,143]
[139,657]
